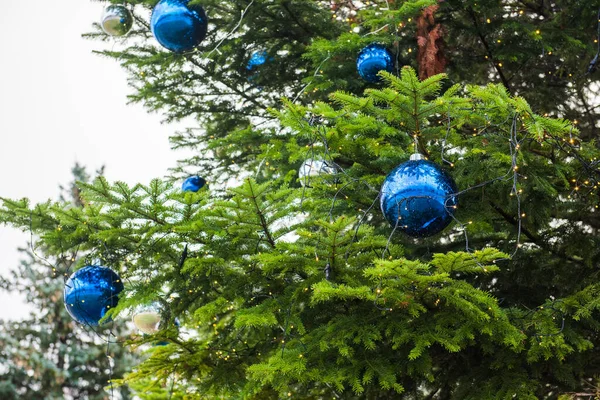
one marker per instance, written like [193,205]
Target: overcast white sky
[59,103]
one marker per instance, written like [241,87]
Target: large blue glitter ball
[90,292]
[418,198]
[193,184]
[257,59]
[177,26]
[372,59]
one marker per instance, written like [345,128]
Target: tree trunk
[430,40]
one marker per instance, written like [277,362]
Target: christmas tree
[46,356]
[275,285]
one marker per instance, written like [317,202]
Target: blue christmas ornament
[418,197]
[116,20]
[90,292]
[372,59]
[193,184]
[257,59]
[177,26]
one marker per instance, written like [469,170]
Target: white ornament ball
[117,20]
[311,169]
[147,318]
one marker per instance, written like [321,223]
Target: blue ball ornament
[257,59]
[418,197]
[193,184]
[90,292]
[177,26]
[372,59]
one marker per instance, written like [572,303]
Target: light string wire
[511,174]
[314,76]
[531,311]
[235,28]
[44,260]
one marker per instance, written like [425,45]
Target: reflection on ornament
[178,26]
[418,197]
[162,342]
[257,59]
[90,292]
[147,318]
[372,59]
[313,168]
[193,184]
[116,20]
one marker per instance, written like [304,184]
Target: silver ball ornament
[311,169]
[147,318]
[116,20]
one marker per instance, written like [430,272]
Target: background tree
[46,356]
[290,291]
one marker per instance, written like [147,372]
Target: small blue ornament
[257,59]
[372,59]
[116,20]
[193,184]
[418,197]
[90,292]
[177,26]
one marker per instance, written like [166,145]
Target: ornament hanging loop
[328,272]
[416,142]
[416,156]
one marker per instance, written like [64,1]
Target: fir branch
[488,49]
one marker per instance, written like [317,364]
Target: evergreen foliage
[304,292]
